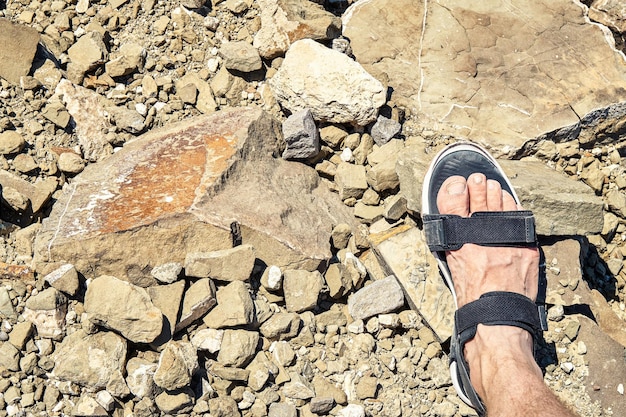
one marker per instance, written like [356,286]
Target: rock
[343,93]
[282,410]
[394,208]
[107,355]
[188,93]
[168,299]
[240,56]
[131,57]
[272,278]
[19,45]
[168,272]
[384,130]
[286,21]
[379,297]
[382,177]
[223,407]
[87,406]
[367,387]
[140,377]
[177,364]
[24,163]
[57,114]
[234,307]
[352,410]
[175,402]
[478,48]
[278,203]
[281,325]
[610,13]
[9,357]
[229,373]
[11,142]
[128,120]
[333,136]
[199,299]
[208,339]
[106,400]
[301,136]
[226,265]
[341,235]
[15,199]
[368,214]
[64,279]
[139,321]
[88,109]
[88,52]
[238,347]
[20,334]
[301,289]
[351,180]
[204,100]
[70,163]
[46,311]
[321,405]
[6,306]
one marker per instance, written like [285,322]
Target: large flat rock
[500,72]
[179,189]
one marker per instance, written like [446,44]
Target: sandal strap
[490,228]
[491,309]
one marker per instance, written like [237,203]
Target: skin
[502,367]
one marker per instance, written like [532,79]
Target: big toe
[453,197]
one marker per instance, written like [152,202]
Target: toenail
[456,187]
[478,179]
[492,185]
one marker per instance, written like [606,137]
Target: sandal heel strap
[502,228]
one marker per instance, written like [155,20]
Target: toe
[508,202]
[453,197]
[494,195]
[477,187]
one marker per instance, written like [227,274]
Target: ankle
[495,349]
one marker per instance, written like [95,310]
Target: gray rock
[106,358]
[168,272]
[9,356]
[321,405]
[199,299]
[6,306]
[234,307]
[379,297]
[225,265]
[139,320]
[343,93]
[282,410]
[57,113]
[240,56]
[238,347]
[301,136]
[140,377]
[46,311]
[208,339]
[11,142]
[384,130]
[19,45]
[128,120]
[284,22]
[301,289]
[177,364]
[394,207]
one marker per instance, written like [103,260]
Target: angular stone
[88,52]
[20,334]
[11,142]
[87,406]
[46,311]
[9,357]
[168,299]
[286,21]
[208,339]
[394,208]
[379,297]
[131,57]
[272,278]
[351,180]
[301,289]
[181,178]
[384,130]
[56,112]
[301,136]
[229,373]
[610,13]
[281,325]
[205,101]
[504,81]
[140,377]
[383,177]
[282,410]
[19,45]
[199,298]
[138,320]
[240,56]
[238,347]
[177,364]
[167,273]
[64,279]
[6,306]
[403,252]
[176,402]
[107,355]
[342,93]
[226,265]
[234,307]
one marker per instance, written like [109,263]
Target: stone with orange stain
[178,189]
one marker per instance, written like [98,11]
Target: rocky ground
[255,345]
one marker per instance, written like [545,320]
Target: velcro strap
[490,228]
[498,308]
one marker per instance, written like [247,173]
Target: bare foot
[479,269]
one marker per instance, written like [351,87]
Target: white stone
[208,339]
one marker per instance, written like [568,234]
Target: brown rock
[19,44]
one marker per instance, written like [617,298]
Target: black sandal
[450,232]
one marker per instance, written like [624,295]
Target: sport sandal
[446,232]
